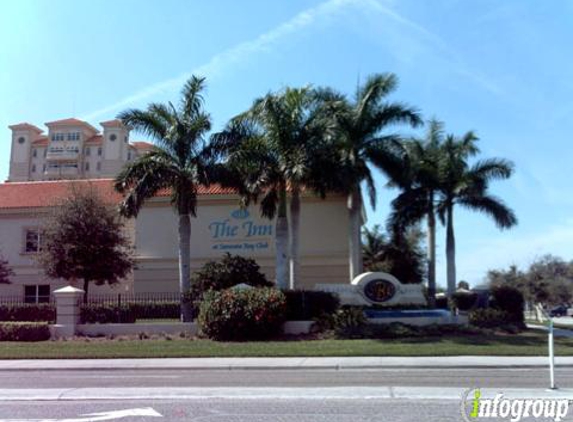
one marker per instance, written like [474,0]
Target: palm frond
[502,215]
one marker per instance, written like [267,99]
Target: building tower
[23,135]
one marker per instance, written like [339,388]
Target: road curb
[283,364]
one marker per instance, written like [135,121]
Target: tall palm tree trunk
[185,264]
[355,216]
[451,251]
[431,252]
[282,242]
[294,239]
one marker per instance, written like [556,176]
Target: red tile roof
[112,123]
[45,193]
[142,145]
[97,139]
[40,142]
[25,126]
[71,122]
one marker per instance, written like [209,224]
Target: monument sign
[376,288]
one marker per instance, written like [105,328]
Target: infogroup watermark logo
[476,408]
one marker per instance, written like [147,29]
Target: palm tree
[401,256]
[179,161]
[277,148]
[360,126]
[467,186]
[420,184]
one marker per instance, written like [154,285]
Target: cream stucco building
[72,149]
[43,169]
[220,226]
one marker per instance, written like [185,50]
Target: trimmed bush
[24,331]
[229,271]
[107,314]
[242,314]
[347,322]
[156,310]
[510,300]
[28,312]
[306,305]
[442,302]
[489,318]
[464,301]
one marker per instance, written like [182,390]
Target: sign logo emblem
[240,214]
[379,291]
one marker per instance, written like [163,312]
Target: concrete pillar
[67,311]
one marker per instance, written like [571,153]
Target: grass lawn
[529,343]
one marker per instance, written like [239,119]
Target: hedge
[24,331]
[45,312]
[307,305]
[249,314]
[107,314]
[156,310]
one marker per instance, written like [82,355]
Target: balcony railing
[62,155]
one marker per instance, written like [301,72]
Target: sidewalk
[294,363]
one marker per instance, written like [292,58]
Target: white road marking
[103,416]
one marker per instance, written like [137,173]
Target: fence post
[67,311]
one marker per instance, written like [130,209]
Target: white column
[67,311]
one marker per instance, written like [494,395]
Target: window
[44,168]
[21,140]
[37,293]
[33,168]
[129,156]
[58,136]
[35,153]
[45,152]
[74,136]
[32,241]
[98,166]
[99,151]
[87,166]
[125,139]
[112,137]
[88,151]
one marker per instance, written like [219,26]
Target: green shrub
[24,331]
[229,271]
[464,301]
[242,314]
[488,318]
[442,302]
[510,300]
[306,305]
[107,314]
[28,312]
[347,322]
[156,310]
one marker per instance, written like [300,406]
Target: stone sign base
[376,289]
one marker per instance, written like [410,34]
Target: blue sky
[502,69]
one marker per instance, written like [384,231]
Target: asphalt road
[296,408]
[245,411]
[465,378]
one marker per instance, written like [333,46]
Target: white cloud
[304,20]
[242,51]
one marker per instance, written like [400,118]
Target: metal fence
[123,298]
[26,300]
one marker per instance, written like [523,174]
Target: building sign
[378,288]
[379,291]
[241,232]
